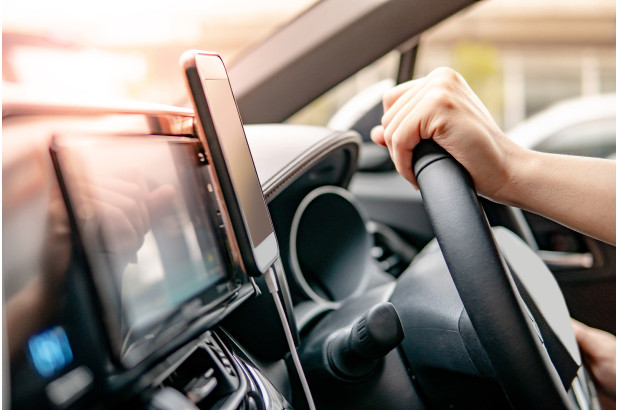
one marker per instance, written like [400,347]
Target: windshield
[125,49]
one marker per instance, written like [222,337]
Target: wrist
[519,165]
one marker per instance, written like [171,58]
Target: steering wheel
[486,288]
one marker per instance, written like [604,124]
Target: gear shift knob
[355,353]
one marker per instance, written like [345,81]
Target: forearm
[577,192]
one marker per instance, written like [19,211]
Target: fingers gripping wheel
[499,316]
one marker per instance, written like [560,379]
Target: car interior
[123,285]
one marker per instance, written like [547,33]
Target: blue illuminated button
[50,351]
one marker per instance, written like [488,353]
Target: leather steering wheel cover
[499,316]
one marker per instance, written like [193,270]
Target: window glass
[608,79]
[548,80]
[591,139]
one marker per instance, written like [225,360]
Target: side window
[591,139]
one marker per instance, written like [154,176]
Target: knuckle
[388,99]
[388,95]
[446,73]
[441,99]
[440,84]
[384,122]
[437,127]
[387,137]
[399,143]
[394,92]
[447,79]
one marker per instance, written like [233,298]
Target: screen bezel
[254,259]
[207,306]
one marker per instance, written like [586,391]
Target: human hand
[441,106]
[598,349]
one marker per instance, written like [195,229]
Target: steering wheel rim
[499,316]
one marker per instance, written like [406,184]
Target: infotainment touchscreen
[146,225]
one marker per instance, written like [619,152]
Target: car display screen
[141,207]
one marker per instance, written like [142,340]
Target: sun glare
[130,47]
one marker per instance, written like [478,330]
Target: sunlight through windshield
[125,49]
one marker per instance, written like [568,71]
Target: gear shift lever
[353,354]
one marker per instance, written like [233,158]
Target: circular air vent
[329,245]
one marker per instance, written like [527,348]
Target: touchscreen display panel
[140,205]
[238,158]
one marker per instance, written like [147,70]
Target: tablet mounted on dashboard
[237,186]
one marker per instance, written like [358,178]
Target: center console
[208,375]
